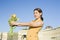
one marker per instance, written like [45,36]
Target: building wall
[47,34]
[4,36]
[22,35]
[0,36]
[53,34]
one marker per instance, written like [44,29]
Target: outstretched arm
[30,24]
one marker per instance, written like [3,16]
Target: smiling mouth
[34,15]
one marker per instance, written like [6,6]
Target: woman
[34,26]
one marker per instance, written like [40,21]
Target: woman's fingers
[14,23]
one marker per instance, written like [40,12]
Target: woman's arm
[30,24]
[36,24]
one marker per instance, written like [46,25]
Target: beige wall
[47,34]
[4,36]
[53,34]
[0,35]
[21,33]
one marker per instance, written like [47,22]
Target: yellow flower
[14,15]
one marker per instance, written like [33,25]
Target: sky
[24,11]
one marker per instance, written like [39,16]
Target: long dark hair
[40,11]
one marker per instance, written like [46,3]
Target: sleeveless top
[35,29]
[32,33]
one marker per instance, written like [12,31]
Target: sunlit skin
[37,14]
[34,26]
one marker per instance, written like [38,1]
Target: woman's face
[37,14]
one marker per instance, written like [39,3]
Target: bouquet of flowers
[12,18]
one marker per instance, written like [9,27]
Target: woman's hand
[14,23]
